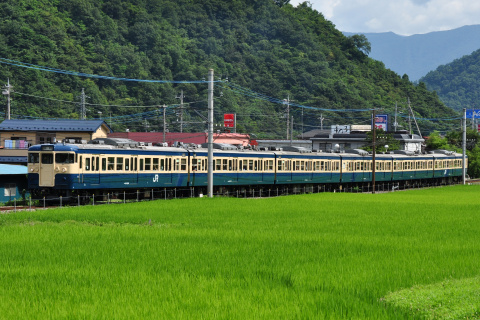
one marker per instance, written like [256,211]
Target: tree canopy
[268,49]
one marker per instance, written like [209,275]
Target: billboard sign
[473,113]
[381,121]
[340,129]
[229,120]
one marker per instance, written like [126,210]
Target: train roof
[127,146]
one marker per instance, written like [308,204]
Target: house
[13,182]
[16,136]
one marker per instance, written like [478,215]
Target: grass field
[397,255]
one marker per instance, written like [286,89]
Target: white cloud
[404,17]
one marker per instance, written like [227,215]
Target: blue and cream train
[121,165]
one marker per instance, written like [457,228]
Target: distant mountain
[418,54]
[457,83]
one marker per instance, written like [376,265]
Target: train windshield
[47,158]
[64,158]
[33,158]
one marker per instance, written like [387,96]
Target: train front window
[33,158]
[64,158]
[47,158]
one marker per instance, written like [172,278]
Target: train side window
[104,164]
[33,158]
[218,164]
[245,165]
[183,164]
[162,164]
[64,158]
[148,164]
[47,158]
[97,166]
[155,164]
[225,164]
[270,165]
[111,163]
[80,163]
[87,164]
[119,164]
[93,163]
[135,163]
[127,164]
[230,164]
[141,165]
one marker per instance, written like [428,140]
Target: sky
[403,17]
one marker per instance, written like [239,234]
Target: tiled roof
[52,125]
[185,137]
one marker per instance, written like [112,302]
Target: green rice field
[403,255]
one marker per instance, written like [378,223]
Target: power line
[87,75]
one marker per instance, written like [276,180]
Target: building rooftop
[53,125]
[13,169]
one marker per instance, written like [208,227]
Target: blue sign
[473,113]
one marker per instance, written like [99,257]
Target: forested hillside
[457,83]
[266,46]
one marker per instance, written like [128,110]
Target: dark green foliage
[267,46]
[457,83]
[382,140]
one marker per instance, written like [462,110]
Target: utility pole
[8,89]
[164,107]
[180,112]
[395,123]
[291,135]
[302,124]
[321,121]
[83,109]
[210,134]
[374,135]
[464,143]
[287,102]
[414,120]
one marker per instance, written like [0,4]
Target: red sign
[229,120]
[478,127]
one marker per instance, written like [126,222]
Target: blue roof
[13,169]
[52,125]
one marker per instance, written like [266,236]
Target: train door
[133,169]
[47,170]
[95,160]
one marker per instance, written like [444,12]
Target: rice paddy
[321,256]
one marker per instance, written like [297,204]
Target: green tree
[382,140]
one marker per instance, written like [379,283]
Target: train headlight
[64,170]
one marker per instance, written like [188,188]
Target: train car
[114,165]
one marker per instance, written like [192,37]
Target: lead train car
[83,169]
